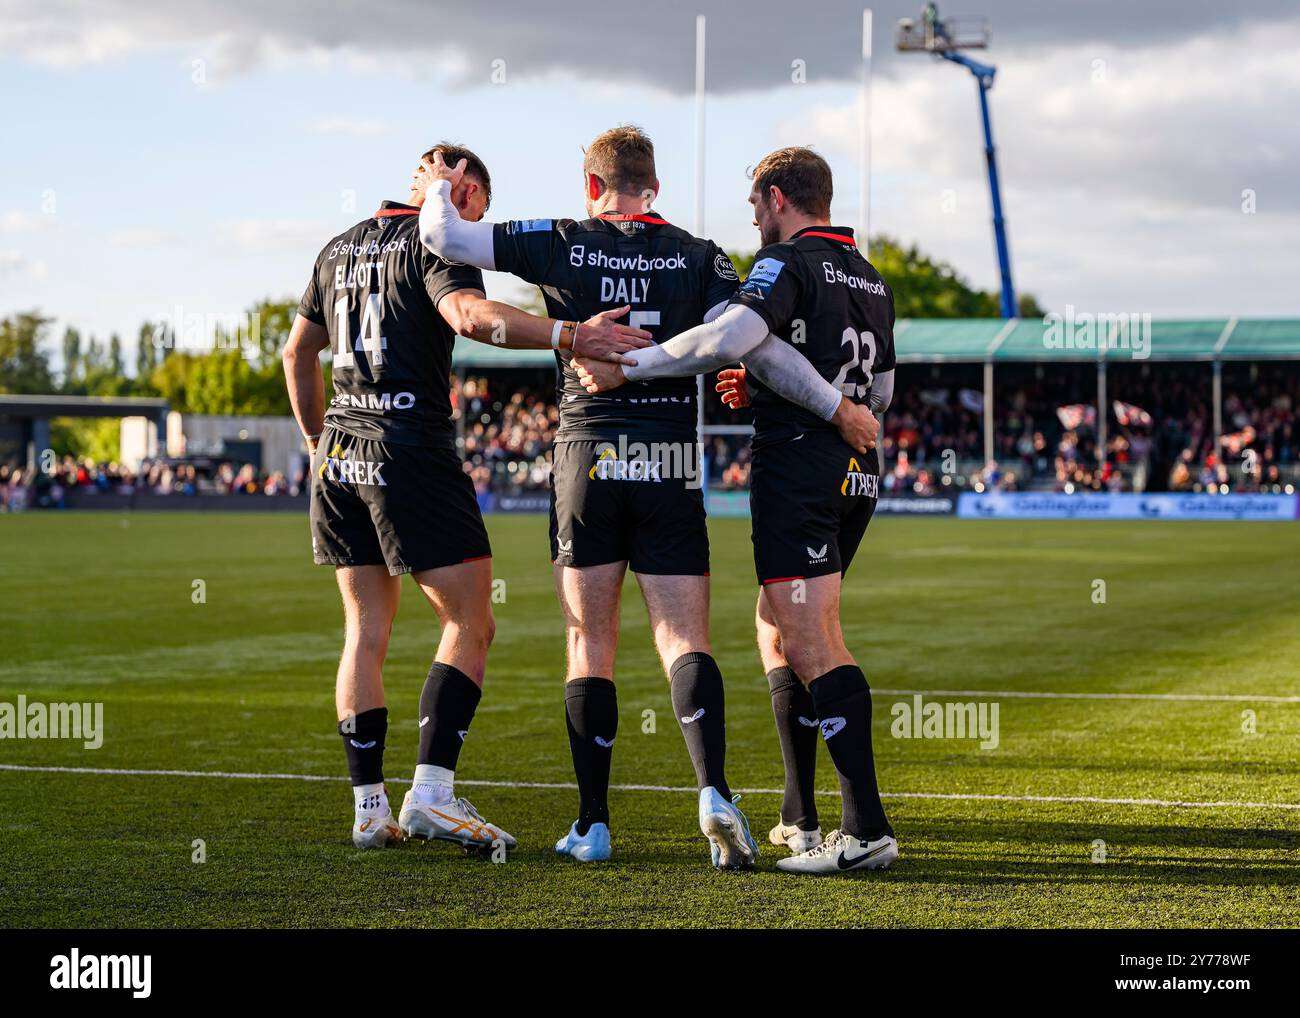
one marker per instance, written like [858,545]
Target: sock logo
[424,721]
[363,745]
[832,726]
[604,744]
[806,723]
[462,733]
[693,718]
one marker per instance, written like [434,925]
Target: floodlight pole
[699,211]
[864,140]
[984,74]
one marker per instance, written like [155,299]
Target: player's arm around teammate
[613,508]
[390,496]
[811,499]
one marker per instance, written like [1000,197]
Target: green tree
[743,262]
[71,355]
[220,382]
[146,353]
[24,365]
[924,287]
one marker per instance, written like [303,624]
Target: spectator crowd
[1046,434]
[1045,437]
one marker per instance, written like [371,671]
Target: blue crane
[945,39]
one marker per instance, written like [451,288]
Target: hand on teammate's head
[431,170]
[439,169]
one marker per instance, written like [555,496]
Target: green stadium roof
[927,340]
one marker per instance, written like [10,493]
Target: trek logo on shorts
[338,468]
[856,482]
[608,467]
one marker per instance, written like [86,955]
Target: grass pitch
[100,607]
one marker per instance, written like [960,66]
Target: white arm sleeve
[882,391]
[715,311]
[728,338]
[791,375]
[448,236]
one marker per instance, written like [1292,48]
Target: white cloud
[141,238]
[749,46]
[14,221]
[16,265]
[277,235]
[1126,189]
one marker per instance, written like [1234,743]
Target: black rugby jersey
[376,289]
[818,293]
[668,276]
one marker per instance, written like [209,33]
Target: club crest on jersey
[857,482]
[336,467]
[762,276]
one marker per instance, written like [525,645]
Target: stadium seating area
[1035,449]
[506,425]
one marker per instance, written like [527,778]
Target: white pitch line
[1019,694]
[570,786]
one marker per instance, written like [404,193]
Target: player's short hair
[624,159]
[803,176]
[474,166]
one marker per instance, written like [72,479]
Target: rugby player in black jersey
[389,494]
[625,481]
[812,494]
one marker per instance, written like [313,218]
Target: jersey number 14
[369,341]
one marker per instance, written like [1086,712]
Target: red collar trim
[838,237]
[635,217]
[385,213]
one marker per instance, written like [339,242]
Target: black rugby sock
[695,684]
[843,702]
[796,726]
[591,714]
[447,704]
[363,742]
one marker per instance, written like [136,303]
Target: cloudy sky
[196,154]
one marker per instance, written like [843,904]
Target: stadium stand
[1207,405]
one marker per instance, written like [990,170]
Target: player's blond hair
[623,159]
